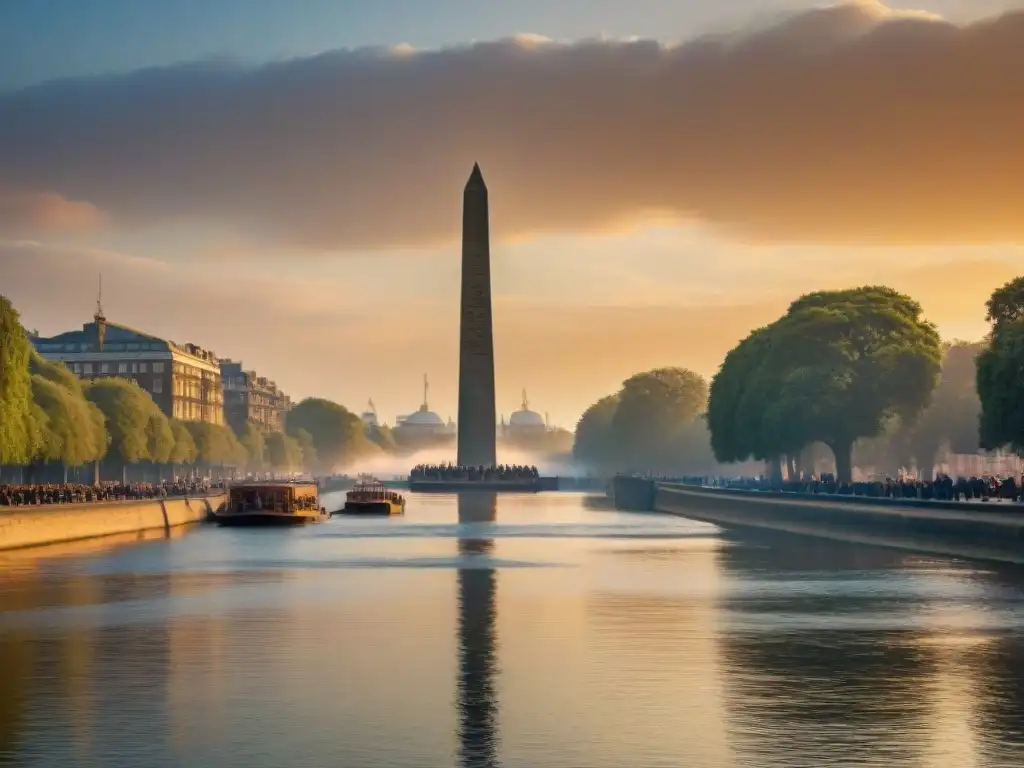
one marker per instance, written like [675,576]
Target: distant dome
[424,418]
[526,419]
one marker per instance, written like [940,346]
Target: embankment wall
[33,526]
[967,530]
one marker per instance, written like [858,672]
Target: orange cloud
[27,213]
[847,124]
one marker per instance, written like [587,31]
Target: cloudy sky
[281,182]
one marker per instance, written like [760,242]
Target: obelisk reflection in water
[477,698]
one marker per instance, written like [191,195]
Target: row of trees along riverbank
[53,422]
[844,378]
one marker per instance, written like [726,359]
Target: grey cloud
[850,124]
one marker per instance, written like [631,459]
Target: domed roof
[424,418]
[524,417]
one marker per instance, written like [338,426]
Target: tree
[216,445]
[1000,370]
[951,421]
[307,449]
[337,433]
[654,413]
[127,410]
[284,454]
[18,418]
[382,437]
[72,429]
[593,444]
[160,440]
[184,451]
[838,366]
[255,446]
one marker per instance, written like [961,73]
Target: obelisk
[476,336]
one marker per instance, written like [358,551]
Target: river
[521,631]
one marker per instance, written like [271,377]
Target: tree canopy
[654,423]
[284,454]
[255,445]
[216,445]
[130,414]
[184,451]
[836,367]
[1000,370]
[18,430]
[337,434]
[70,429]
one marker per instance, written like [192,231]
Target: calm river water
[524,632]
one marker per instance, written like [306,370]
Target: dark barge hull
[267,521]
[368,509]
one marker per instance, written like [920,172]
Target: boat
[372,497]
[272,503]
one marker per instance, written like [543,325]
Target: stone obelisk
[476,338]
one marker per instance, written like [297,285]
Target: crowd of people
[501,472]
[942,488]
[16,495]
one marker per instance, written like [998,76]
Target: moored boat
[272,503]
[372,497]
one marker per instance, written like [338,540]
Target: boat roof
[275,485]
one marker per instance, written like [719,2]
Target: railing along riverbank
[993,530]
[34,525]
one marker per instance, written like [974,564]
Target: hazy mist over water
[514,631]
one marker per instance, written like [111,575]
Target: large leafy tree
[127,410]
[655,412]
[18,430]
[1000,370]
[184,451]
[216,445]
[594,444]
[337,434]
[838,366]
[71,428]
[284,454]
[255,445]
[950,422]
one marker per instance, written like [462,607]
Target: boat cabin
[286,498]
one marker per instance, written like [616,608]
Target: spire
[476,179]
[426,392]
[526,403]
[99,299]
[371,407]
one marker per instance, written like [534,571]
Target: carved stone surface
[477,415]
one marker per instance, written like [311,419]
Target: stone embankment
[33,526]
[993,531]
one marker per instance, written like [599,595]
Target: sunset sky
[281,181]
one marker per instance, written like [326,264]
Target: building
[423,427]
[184,380]
[369,418]
[248,397]
[526,424]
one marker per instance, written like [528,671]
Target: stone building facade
[248,397]
[183,380]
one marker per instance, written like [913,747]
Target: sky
[281,182]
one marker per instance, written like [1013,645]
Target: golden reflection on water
[609,649]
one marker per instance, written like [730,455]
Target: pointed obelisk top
[476,179]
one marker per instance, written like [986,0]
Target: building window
[143,367]
[122,367]
[104,368]
[158,367]
[135,367]
[87,368]
[158,386]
